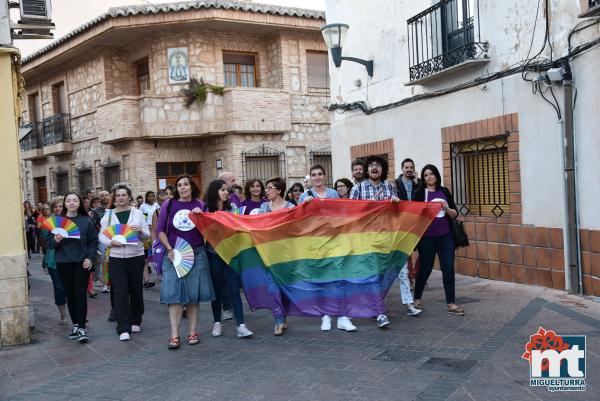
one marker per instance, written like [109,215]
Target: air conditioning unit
[589,8]
[35,10]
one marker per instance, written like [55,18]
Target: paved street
[434,357]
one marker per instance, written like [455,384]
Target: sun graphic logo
[556,362]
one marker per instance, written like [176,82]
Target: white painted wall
[379,32]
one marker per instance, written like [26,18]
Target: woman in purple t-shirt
[255,194]
[438,238]
[196,285]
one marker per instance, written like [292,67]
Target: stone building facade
[100,108]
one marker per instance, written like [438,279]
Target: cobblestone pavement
[433,357]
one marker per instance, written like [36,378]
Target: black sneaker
[74,333]
[83,338]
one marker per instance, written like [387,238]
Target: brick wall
[503,248]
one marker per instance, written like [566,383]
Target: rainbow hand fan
[183,257]
[59,225]
[239,210]
[122,233]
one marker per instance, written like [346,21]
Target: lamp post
[335,38]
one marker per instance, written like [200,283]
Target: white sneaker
[217,331]
[242,331]
[135,328]
[325,323]
[124,337]
[412,311]
[382,321]
[344,323]
[105,289]
[227,315]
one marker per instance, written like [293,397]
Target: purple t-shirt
[440,225]
[233,198]
[180,225]
[251,205]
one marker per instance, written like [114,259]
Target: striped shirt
[367,191]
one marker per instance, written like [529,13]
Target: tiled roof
[125,11]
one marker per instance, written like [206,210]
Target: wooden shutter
[317,69]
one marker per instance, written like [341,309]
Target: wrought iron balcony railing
[443,36]
[33,140]
[57,129]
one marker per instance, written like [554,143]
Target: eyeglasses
[374,165]
[268,188]
[297,190]
[341,186]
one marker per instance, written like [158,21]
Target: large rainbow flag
[329,256]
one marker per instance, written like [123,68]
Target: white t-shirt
[148,211]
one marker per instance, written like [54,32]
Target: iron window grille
[57,129]
[443,36]
[480,176]
[593,3]
[84,178]
[263,163]
[323,157]
[33,140]
[111,174]
[62,181]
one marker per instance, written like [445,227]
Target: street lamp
[335,38]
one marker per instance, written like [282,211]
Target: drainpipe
[573,279]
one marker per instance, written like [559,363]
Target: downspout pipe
[573,279]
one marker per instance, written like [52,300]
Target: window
[62,183]
[443,36]
[239,69]
[143,76]
[480,176]
[35,107]
[85,180]
[112,176]
[263,163]
[317,66]
[166,173]
[59,99]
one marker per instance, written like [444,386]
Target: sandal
[285,325]
[174,342]
[456,310]
[417,304]
[149,284]
[193,338]
[278,329]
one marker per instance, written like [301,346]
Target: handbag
[459,234]
[158,249]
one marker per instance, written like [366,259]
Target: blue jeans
[220,273]
[443,246]
[59,291]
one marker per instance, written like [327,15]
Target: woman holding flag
[275,188]
[195,286]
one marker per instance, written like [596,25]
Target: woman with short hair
[126,262]
[196,285]
[343,187]
[275,188]
[60,299]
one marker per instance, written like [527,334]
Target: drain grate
[449,365]
[396,355]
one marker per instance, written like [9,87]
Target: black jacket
[71,250]
[419,196]
[401,189]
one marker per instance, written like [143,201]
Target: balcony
[443,39]
[589,8]
[247,110]
[57,135]
[31,143]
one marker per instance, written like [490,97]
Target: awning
[23,131]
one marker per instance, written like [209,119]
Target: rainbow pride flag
[330,256]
